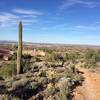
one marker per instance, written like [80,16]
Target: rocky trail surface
[90,89]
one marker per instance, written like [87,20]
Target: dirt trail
[90,89]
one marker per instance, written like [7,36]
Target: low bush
[64,89]
[8,70]
[26,62]
[50,90]
[91,58]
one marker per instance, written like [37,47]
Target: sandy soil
[90,89]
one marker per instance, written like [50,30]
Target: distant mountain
[7,42]
[4,42]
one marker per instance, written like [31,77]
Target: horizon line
[49,43]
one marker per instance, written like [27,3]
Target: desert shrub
[64,89]
[1,78]
[68,81]
[27,56]
[77,79]
[49,58]
[53,65]
[45,49]
[73,57]
[26,65]
[14,57]
[18,84]
[34,68]
[8,70]
[60,58]
[97,56]
[32,86]
[89,53]
[14,47]
[26,62]
[38,59]
[92,57]
[43,81]
[14,98]
[50,90]
[42,73]
[33,59]
[4,97]
[51,74]
[22,88]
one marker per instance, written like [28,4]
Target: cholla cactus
[51,76]
[19,52]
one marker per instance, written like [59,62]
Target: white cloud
[27,12]
[7,19]
[12,17]
[83,3]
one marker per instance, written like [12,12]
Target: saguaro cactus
[19,52]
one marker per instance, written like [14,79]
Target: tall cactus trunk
[19,52]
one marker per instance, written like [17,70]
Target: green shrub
[92,57]
[8,70]
[26,62]
[38,59]
[27,56]
[26,65]
[77,79]
[50,90]
[42,73]
[64,89]
[89,54]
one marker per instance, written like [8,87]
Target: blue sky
[51,21]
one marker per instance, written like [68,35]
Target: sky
[51,21]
